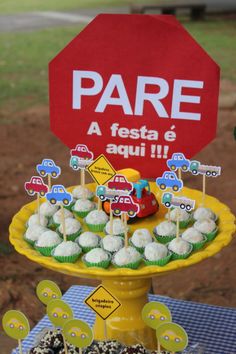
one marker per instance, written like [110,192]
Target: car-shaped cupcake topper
[172,337]
[48,167]
[47,290]
[36,186]
[210,171]
[77,333]
[59,195]
[119,182]
[105,193]
[82,152]
[178,160]
[170,201]
[169,180]
[125,204]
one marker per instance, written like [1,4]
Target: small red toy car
[120,182]
[125,204]
[82,152]
[36,185]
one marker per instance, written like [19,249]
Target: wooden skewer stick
[99,204]
[80,350]
[180,177]
[126,231]
[38,207]
[83,177]
[177,223]
[105,330]
[65,345]
[49,182]
[20,346]
[111,222]
[158,347]
[168,214]
[63,223]
[203,188]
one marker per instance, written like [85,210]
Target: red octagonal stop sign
[136,88]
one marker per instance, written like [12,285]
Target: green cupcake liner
[103,264]
[52,225]
[70,206]
[30,242]
[81,214]
[87,249]
[133,265]
[163,239]
[66,259]
[185,223]
[211,235]
[106,233]
[160,262]
[198,245]
[45,251]
[139,249]
[71,237]
[175,256]
[96,228]
[101,245]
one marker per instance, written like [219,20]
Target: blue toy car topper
[178,160]
[48,167]
[169,180]
[59,195]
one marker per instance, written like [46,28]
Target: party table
[213,327]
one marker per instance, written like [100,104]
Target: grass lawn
[24,58]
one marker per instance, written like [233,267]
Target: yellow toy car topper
[59,312]
[78,333]
[172,337]
[155,313]
[15,324]
[47,290]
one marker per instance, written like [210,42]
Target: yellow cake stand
[129,286]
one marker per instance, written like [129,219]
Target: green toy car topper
[47,290]
[15,324]
[172,337]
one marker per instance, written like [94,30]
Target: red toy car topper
[82,152]
[125,204]
[36,185]
[120,182]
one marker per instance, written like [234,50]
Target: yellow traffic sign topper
[102,302]
[101,170]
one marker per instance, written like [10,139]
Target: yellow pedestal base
[126,324]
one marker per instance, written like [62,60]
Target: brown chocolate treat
[134,349]
[41,350]
[104,347]
[52,339]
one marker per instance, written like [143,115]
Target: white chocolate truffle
[33,232]
[183,215]
[179,246]
[141,237]
[48,239]
[47,209]
[96,255]
[81,192]
[67,248]
[126,256]
[57,217]
[112,243]
[88,239]
[155,251]
[34,220]
[118,227]
[71,226]
[84,205]
[165,228]
[204,213]
[192,235]
[96,217]
[205,226]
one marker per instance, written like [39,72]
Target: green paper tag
[59,312]
[78,333]
[47,290]
[155,313]
[172,337]
[15,324]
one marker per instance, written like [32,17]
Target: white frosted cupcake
[127,258]
[118,228]
[180,248]
[156,254]
[47,241]
[67,252]
[196,238]
[82,207]
[184,217]
[96,220]
[47,209]
[204,213]
[140,238]
[34,220]
[73,229]
[165,231]
[111,243]
[97,257]
[88,240]
[207,227]
[57,217]
[33,232]
[81,192]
